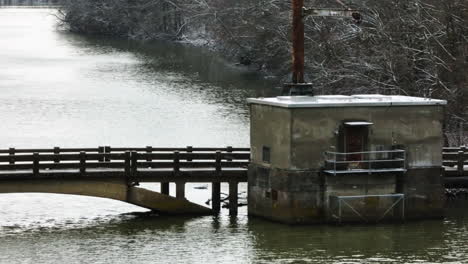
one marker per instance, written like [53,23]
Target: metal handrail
[368,161]
[370,152]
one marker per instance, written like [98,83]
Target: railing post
[35,163]
[165,185]
[107,149]
[82,163]
[189,150]
[461,161]
[233,198]
[180,185]
[334,164]
[176,163]
[127,166]
[149,150]
[56,153]
[216,186]
[134,163]
[101,150]
[11,152]
[229,150]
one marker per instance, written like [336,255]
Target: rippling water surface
[61,89]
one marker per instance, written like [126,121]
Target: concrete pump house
[335,158]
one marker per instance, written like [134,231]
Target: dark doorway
[355,140]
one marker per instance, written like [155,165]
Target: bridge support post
[461,161]
[216,196]
[180,190]
[216,186]
[165,188]
[233,198]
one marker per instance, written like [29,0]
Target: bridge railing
[127,160]
[455,156]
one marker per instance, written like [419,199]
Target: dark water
[60,89]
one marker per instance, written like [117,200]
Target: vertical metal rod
[297,41]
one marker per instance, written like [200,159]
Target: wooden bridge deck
[132,166]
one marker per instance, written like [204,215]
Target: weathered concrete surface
[357,184]
[270,127]
[164,203]
[299,137]
[417,128]
[424,193]
[291,188]
[293,197]
[116,190]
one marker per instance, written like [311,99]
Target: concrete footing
[307,197]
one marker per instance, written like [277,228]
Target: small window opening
[266,154]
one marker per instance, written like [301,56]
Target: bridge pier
[233,190]
[165,188]
[180,190]
[216,197]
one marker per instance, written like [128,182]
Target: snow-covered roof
[344,101]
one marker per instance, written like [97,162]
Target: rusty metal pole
[297,41]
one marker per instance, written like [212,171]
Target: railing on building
[365,162]
[455,160]
[349,207]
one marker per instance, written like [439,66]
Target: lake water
[62,89]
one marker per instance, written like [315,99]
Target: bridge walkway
[107,172]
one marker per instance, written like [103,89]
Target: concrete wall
[292,188]
[293,197]
[418,128]
[271,127]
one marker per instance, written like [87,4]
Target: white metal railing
[365,161]
[345,202]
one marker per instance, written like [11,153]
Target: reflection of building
[28,2]
[346,158]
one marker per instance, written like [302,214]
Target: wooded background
[403,47]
